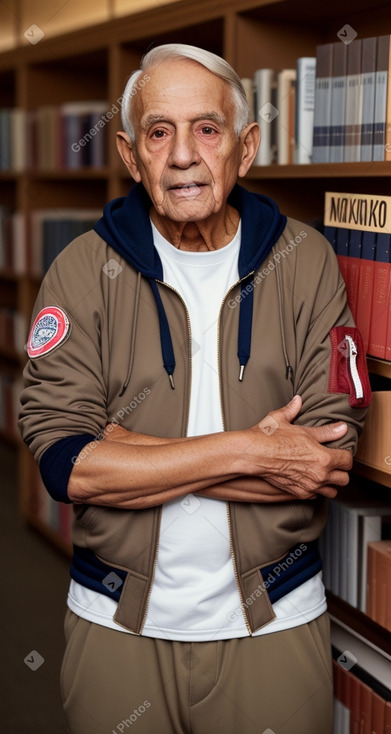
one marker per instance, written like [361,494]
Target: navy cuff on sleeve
[57,462]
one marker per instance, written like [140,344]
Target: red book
[378,714]
[387,717]
[342,249]
[365,709]
[353,265]
[365,289]
[354,704]
[380,297]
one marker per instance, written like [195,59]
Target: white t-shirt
[194,594]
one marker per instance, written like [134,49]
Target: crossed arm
[134,471]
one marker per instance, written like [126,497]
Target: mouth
[187,189]
[187,186]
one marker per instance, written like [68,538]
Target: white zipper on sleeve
[352,360]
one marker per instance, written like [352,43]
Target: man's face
[187,154]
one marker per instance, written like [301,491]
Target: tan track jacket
[109,367]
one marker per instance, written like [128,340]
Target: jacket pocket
[348,367]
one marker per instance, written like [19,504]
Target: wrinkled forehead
[182,90]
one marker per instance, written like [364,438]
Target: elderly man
[199,355]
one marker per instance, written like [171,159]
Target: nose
[183,153]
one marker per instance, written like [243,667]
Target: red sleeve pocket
[348,366]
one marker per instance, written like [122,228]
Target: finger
[288,412]
[329,491]
[339,478]
[328,432]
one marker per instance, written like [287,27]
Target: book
[379,587]
[305,103]
[265,81]
[380,297]
[381,87]
[285,121]
[352,524]
[322,105]
[353,269]
[378,714]
[353,107]
[338,100]
[368,77]
[365,286]
[248,86]
[53,229]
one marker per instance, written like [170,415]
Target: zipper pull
[352,362]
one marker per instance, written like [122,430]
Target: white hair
[210,61]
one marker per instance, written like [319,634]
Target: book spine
[380,297]
[322,107]
[305,102]
[368,69]
[338,99]
[379,125]
[365,288]
[353,109]
[264,84]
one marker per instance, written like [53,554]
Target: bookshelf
[93,63]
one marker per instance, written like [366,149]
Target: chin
[189,213]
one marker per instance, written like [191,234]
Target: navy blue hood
[126,227]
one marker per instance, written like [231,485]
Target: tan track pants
[279,683]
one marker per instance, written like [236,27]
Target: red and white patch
[48,331]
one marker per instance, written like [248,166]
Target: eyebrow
[213,116]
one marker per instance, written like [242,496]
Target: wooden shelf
[322,170]
[372,473]
[379,367]
[66,174]
[360,622]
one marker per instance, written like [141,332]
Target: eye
[158,134]
[208,130]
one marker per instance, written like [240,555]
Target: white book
[18,139]
[338,100]
[353,108]
[248,86]
[345,720]
[286,94]
[368,68]
[265,114]
[305,104]
[360,523]
[380,111]
[322,111]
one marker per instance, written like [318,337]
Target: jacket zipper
[155,550]
[231,545]
[352,362]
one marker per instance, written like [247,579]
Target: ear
[126,150]
[250,138]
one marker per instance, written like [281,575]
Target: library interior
[317,78]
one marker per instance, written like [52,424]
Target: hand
[292,458]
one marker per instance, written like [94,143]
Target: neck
[211,234]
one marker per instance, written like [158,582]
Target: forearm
[136,475]
[237,489]
[134,471]
[248,489]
